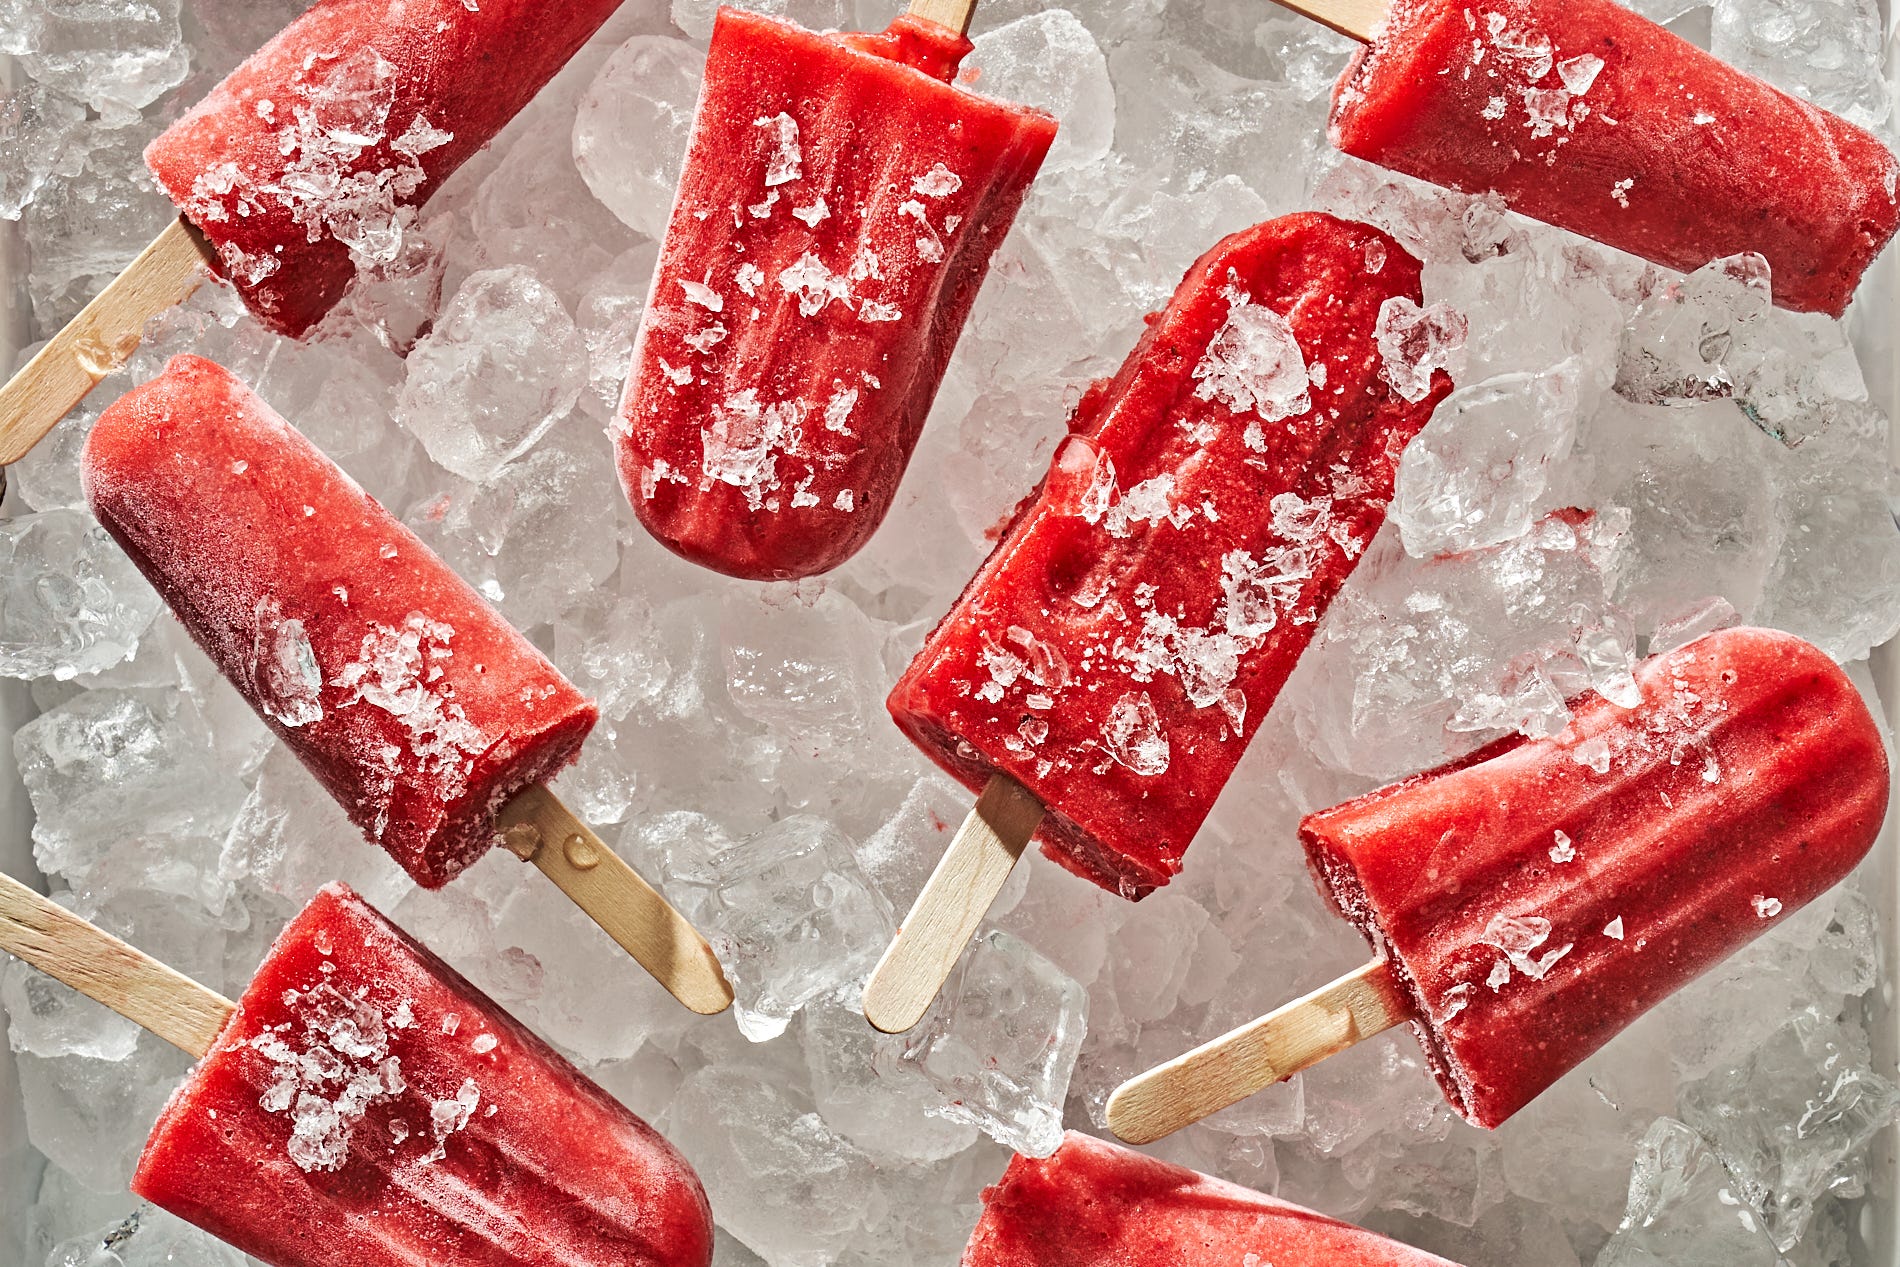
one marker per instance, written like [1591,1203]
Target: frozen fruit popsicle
[364,1106]
[837,214]
[1595,119]
[1092,1204]
[1529,902]
[429,718]
[308,160]
[1113,657]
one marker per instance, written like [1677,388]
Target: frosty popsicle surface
[1542,895]
[311,156]
[428,717]
[1122,644]
[1093,1204]
[1593,118]
[402,690]
[1530,901]
[837,213]
[365,1105]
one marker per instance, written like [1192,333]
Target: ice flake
[1416,342]
[1765,907]
[749,278]
[1151,501]
[449,1116]
[705,339]
[1254,363]
[1563,850]
[328,1065]
[420,137]
[814,284]
[1580,73]
[844,501]
[702,294]
[938,182]
[763,208]
[929,246]
[1132,735]
[872,311]
[740,447]
[786,163]
[811,215]
[838,410]
[1517,937]
[285,679]
[679,375]
[1614,928]
[1020,654]
[396,670]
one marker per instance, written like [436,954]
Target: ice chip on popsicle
[366,1106]
[1593,118]
[1093,1204]
[1124,641]
[837,214]
[419,708]
[1533,901]
[310,158]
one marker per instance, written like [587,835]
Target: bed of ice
[1728,455]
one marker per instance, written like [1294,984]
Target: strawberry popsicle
[1595,119]
[1093,1204]
[402,690]
[836,217]
[1124,641]
[364,1106]
[1538,897]
[1530,901]
[309,159]
[428,717]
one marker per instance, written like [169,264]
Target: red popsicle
[309,160]
[1529,902]
[1597,120]
[836,217]
[1092,1204]
[1122,644]
[428,717]
[296,166]
[365,1106]
[404,692]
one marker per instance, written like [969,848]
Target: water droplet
[581,854]
[523,840]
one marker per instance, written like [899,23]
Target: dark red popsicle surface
[366,1106]
[311,153]
[1093,1204]
[1590,117]
[1123,642]
[835,220]
[409,697]
[1540,895]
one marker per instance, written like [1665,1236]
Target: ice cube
[503,365]
[630,135]
[1050,60]
[37,129]
[1001,1042]
[116,55]
[1683,1210]
[789,913]
[866,1093]
[72,602]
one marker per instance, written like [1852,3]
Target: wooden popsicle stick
[954,14]
[98,341]
[953,902]
[105,969]
[1260,1053]
[537,828]
[1354,19]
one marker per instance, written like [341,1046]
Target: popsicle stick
[954,14]
[1354,19]
[537,828]
[1257,1055]
[100,338]
[953,902]
[103,968]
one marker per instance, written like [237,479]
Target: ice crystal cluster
[1631,457]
